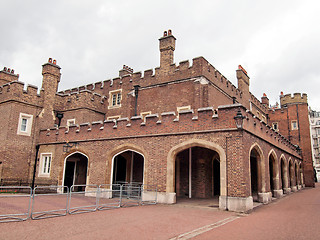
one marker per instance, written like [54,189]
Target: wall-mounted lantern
[239,119]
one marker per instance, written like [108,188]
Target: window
[25,124]
[45,165]
[294,125]
[275,126]
[318,131]
[115,98]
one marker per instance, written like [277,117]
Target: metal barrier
[83,198]
[49,201]
[15,203]
[148,194]
[109,196]
[130,194]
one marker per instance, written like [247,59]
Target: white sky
[277,42]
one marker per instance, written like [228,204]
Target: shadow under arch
[284,173]
[273,171]
[257,171]
[127,163]
[170,186]
[75,170]
[291,172]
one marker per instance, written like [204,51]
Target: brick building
[184,128]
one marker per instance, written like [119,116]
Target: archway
[273,172]
[197,173]
[75,171]
[297,173]
[284,175]
[291,173]
[301,175]
[255,172]
[128,167]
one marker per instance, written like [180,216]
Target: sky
[277,42]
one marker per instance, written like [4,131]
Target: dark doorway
[128,168]
[69,173]
[283,175]
[254,156]
[201,179]
[76,171]
[272,174]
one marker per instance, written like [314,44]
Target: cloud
[276,41]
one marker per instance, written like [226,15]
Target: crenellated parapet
[81,99]
[296,98]
[16,91]
[202,120]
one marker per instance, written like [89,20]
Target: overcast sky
[277,42]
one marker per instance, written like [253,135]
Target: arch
[284,173]
[291,173]
[301,174]
[128,171]
[273,171]
[296,168]
[76,168]
[121,149]
[170,186]
[257,170]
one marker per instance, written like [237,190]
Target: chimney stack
[167,46]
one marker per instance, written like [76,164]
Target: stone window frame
[294,125]
[115,98]
[25,124]
[45,167]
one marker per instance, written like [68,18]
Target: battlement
[16,91]
[82,98]
[204,120]
[7,75]
[296,98]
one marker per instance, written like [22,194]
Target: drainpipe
[136,92]
[35,166]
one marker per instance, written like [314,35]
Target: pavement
[295,216]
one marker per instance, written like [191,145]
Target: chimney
[7,75]
[265,100]
[167,47]
[243,85]
[125,71]
[50,81]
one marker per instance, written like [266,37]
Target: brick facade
[154,122]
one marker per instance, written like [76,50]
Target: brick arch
[285,171]
[276,174]
[301,174]
[291,172]
[69,154]
[120,149]
[261,166]
[296,170]
[195,143]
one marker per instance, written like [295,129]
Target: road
[296,216]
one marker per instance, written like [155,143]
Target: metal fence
[83,198]
[109,196]
[20,203]
[49,201]
[15,203]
